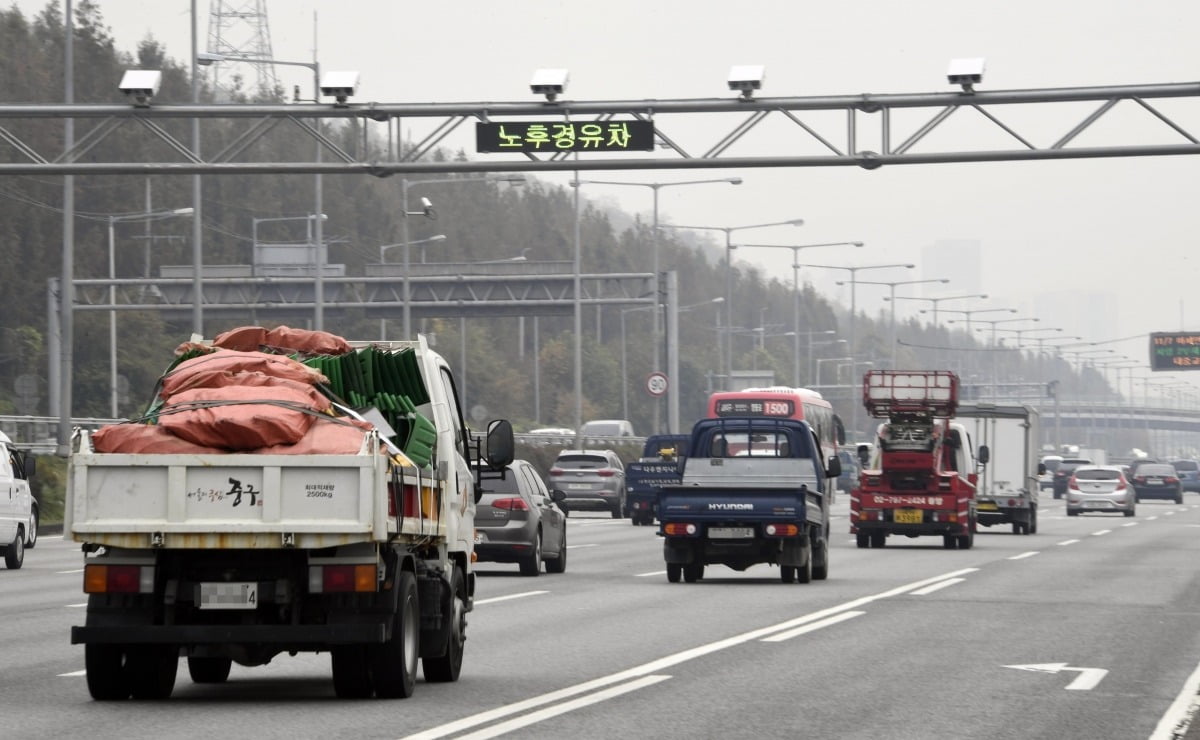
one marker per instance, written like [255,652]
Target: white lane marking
[655,666]
[1178,717]
[1101,532]
[1130,524]
[1168,513]
[1067,542]
[1151,518]
[67,572]
[76,606]
[1024,555]
[72,674]
[937,586]
[576,547]
[510,597]
[1087,679]
[535,717]
[813,626]
[647,575]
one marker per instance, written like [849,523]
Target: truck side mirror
[833,468]
[500,445]
[984,455]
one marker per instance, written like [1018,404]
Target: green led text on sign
[1175,351]
[565,136]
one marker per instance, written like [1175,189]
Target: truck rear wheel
[804,573]
[878,539]
[446,668]
[863,540]
[674,571]
[208,669]
[693,572]
[394,664]
[1033,520]
[787,573]
[152,670]
[821,560]
[106,676]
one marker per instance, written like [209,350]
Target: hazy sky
[1125,228]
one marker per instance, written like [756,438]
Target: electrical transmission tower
[239,34]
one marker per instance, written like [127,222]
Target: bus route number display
[565,136]
[732,407]
[1175,351]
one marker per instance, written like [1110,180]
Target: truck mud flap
[298,636]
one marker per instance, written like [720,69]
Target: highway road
[1088,629]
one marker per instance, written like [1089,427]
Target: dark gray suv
[590,480]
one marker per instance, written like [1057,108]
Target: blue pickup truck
[659,465]
[752,491]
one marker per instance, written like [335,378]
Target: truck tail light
[943,516]
[871,515]
[329,579]
[516,503]
[118,579]
[781,530]
[679,529]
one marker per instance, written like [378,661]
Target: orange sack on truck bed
[242,417]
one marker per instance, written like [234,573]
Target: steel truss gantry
[811,119]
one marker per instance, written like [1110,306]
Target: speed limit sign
[656,384]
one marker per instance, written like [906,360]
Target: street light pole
[892,299]
[112,290]
[796,291]
[729,247]
[656,329]
[852,347]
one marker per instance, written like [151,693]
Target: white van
[606,429]
[18,509]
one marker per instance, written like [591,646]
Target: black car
[517,521]
[1157,480]
[1066,469]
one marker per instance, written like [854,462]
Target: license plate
[1095,504]
[229,595]
[986,506]
[1155,482]
[731,533]
[908,516]
[578,486]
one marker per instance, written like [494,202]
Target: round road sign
[656,384]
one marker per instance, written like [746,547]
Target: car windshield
[1155,470]
[587,462]
[1085,474]
[1188,465]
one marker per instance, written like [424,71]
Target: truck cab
[18,507]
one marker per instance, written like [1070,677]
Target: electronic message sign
[1175,350]
[565,136]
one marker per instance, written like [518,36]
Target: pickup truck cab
[18,508]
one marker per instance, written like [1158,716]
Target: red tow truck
[921,477]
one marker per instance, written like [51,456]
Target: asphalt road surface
[1088,629]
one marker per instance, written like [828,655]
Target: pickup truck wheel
[559,564]
[820,569]
[949,541]
[14,554]
[394,664]
[446,668]
[674,571]
[106,676]
[966,541]
[34,521]
[1018,527]
[151,670]
[863,540]
[878,539]
[692,572]
[1032,521]
[531,564]
[351,671]
[787,573]
[208,669]
[804,573]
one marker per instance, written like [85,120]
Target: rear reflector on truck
[118,579]
[328,579]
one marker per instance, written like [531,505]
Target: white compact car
[18,508]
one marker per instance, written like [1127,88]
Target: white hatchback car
[1101,488]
